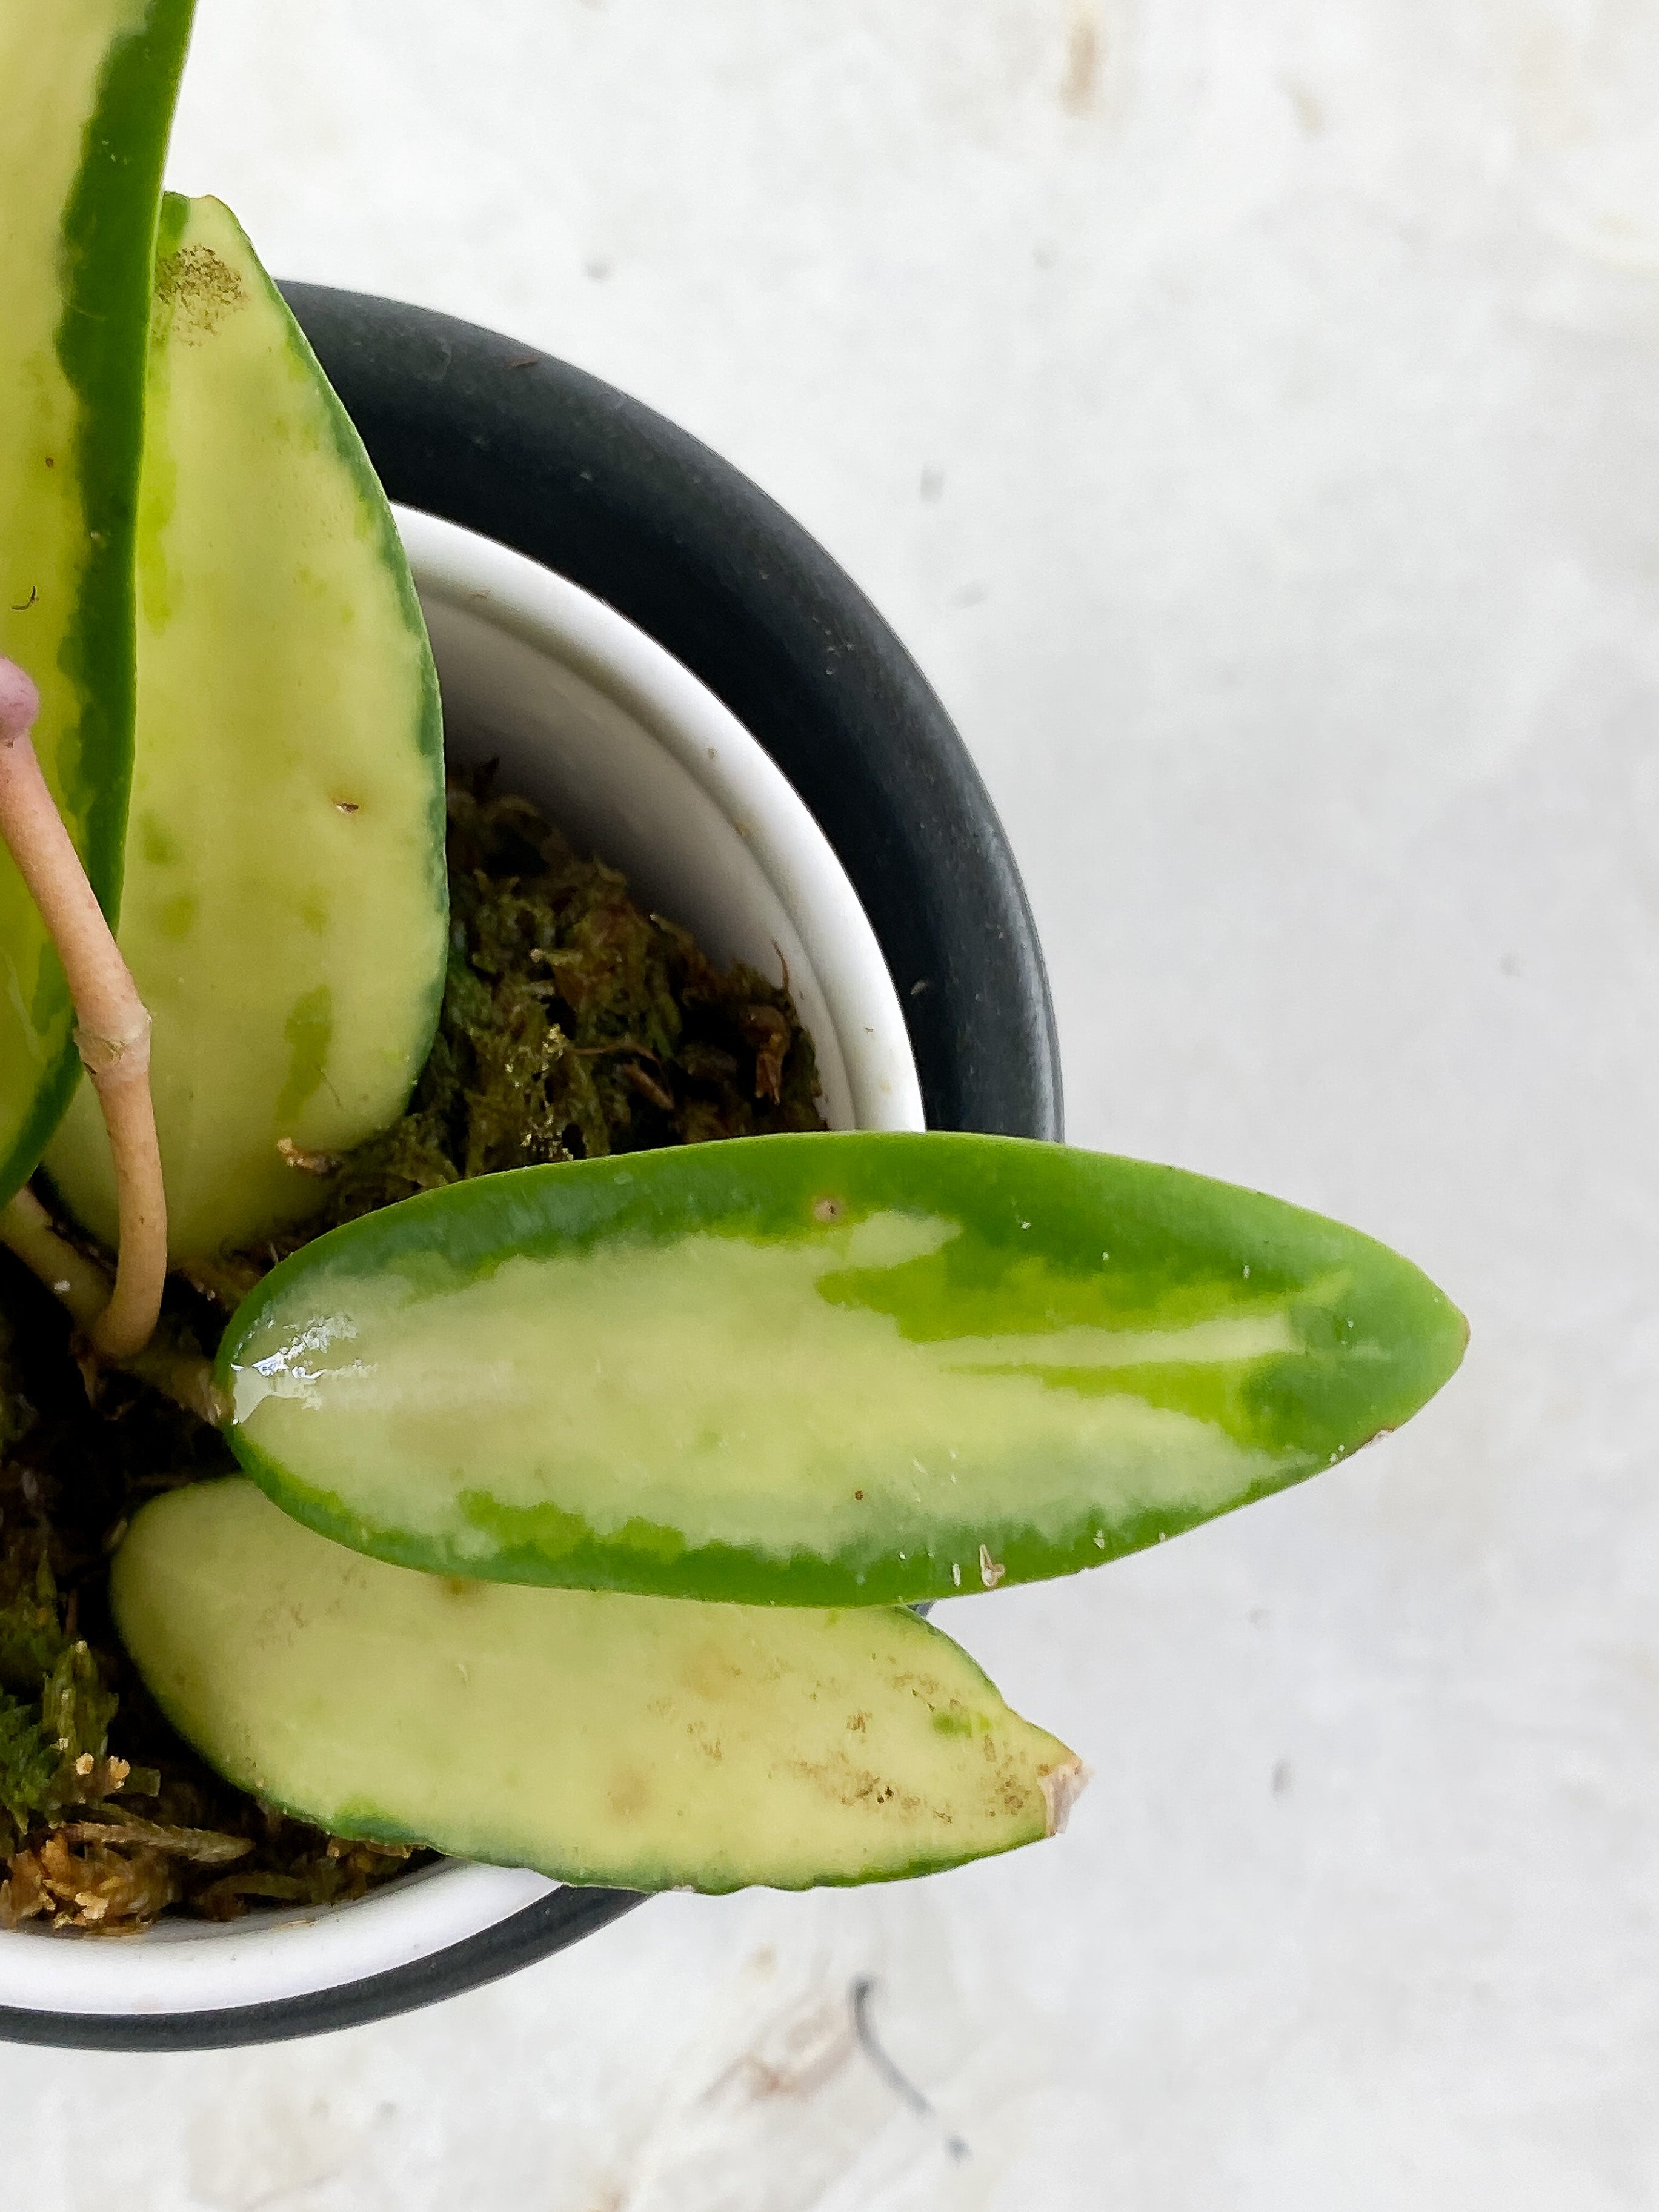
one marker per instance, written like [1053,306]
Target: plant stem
[113,1031]
[77,1283]
[80,1284]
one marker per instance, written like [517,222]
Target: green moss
[31,1626]
[574,1023]
[28,1763]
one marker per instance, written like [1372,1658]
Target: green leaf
[818,1370]
[597,1738]
[284,913]
[89,92]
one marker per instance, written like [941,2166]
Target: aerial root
[112,1025]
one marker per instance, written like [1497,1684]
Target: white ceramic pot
[641,764]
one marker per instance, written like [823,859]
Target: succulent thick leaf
[600,1739]
[819,1369]
[285,905]
[89,88]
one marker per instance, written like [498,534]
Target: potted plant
[575,698]
[643,1427]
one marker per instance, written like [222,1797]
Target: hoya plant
[582,1504]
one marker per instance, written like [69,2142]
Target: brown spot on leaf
[844,1783]
[709,1673]
[629,1792]
[201,290]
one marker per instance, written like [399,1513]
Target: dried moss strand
[113,1025]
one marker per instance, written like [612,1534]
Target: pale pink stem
[113,1031]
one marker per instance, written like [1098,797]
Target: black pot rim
[483,431]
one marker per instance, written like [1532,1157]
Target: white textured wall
[1248,410]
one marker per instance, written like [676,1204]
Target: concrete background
[1248,415]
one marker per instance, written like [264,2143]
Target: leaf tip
[1061,1787]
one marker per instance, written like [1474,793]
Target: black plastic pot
[488,433]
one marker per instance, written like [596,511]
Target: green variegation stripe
[89,89]
[286,901]
[600,1739]
[818,1370]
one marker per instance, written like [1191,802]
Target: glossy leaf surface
[89,89]
[284,913]
[599,1739]
[818,1370]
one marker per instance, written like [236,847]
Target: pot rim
[520,447]
[538,456]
